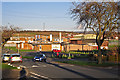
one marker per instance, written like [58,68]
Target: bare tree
[100,17]
[7,32]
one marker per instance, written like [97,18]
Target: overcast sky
[33,15]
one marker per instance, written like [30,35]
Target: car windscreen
[39,55]
[15,55]
[6,55]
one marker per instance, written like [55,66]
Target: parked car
[40,57]
[56,50]
[15,58]
[5,57]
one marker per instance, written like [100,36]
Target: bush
[112,58]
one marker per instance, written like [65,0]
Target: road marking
[71,65]
[34,77]
[39,75]
[35,66]
[51,65]
[22,66]
[44,65]
[61,65]
[8,63]
[40,65]
[18,67]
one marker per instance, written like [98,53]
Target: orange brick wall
[74,47]
[25,46]
[105,43]
[46,47]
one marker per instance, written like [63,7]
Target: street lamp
[69,49]
[18,43]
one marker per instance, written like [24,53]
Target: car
[56,50]
[15,58]
[5,57]
[40,57]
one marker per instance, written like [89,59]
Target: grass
[27,57]
[113,46]
[5,66]
[114,41]
[21,50]
[71,52]
[12,48]
[83,63]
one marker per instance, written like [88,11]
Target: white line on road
[61,65]
[22,66]
[34,77]
[35,66]
[44,66]
[8,63]
[71,65]
[40,75]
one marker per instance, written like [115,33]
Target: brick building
[67,42]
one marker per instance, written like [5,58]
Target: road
[52,70]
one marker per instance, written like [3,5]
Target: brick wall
[24,46]
[73,47]
[105,43]
[46,47]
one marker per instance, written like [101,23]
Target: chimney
[60,36]
[50,37]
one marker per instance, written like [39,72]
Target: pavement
[10,74]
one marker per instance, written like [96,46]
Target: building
[59,40]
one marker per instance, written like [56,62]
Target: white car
[15,58]
[5,57]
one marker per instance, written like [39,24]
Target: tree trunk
[99,55]
[99,43]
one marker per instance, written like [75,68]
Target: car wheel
[44,60]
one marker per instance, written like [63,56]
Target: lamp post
[18,43]
[69,49]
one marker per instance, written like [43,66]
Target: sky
[35,15]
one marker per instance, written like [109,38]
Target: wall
[24,46]
[46,47]
[75,47]
[10,45]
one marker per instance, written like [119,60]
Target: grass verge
[27,57]
[83,63]
[5,66]
[21,50]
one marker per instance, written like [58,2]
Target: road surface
[52,70]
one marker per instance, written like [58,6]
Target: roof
[15,54]
[6,54]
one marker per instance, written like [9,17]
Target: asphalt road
[52,70]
